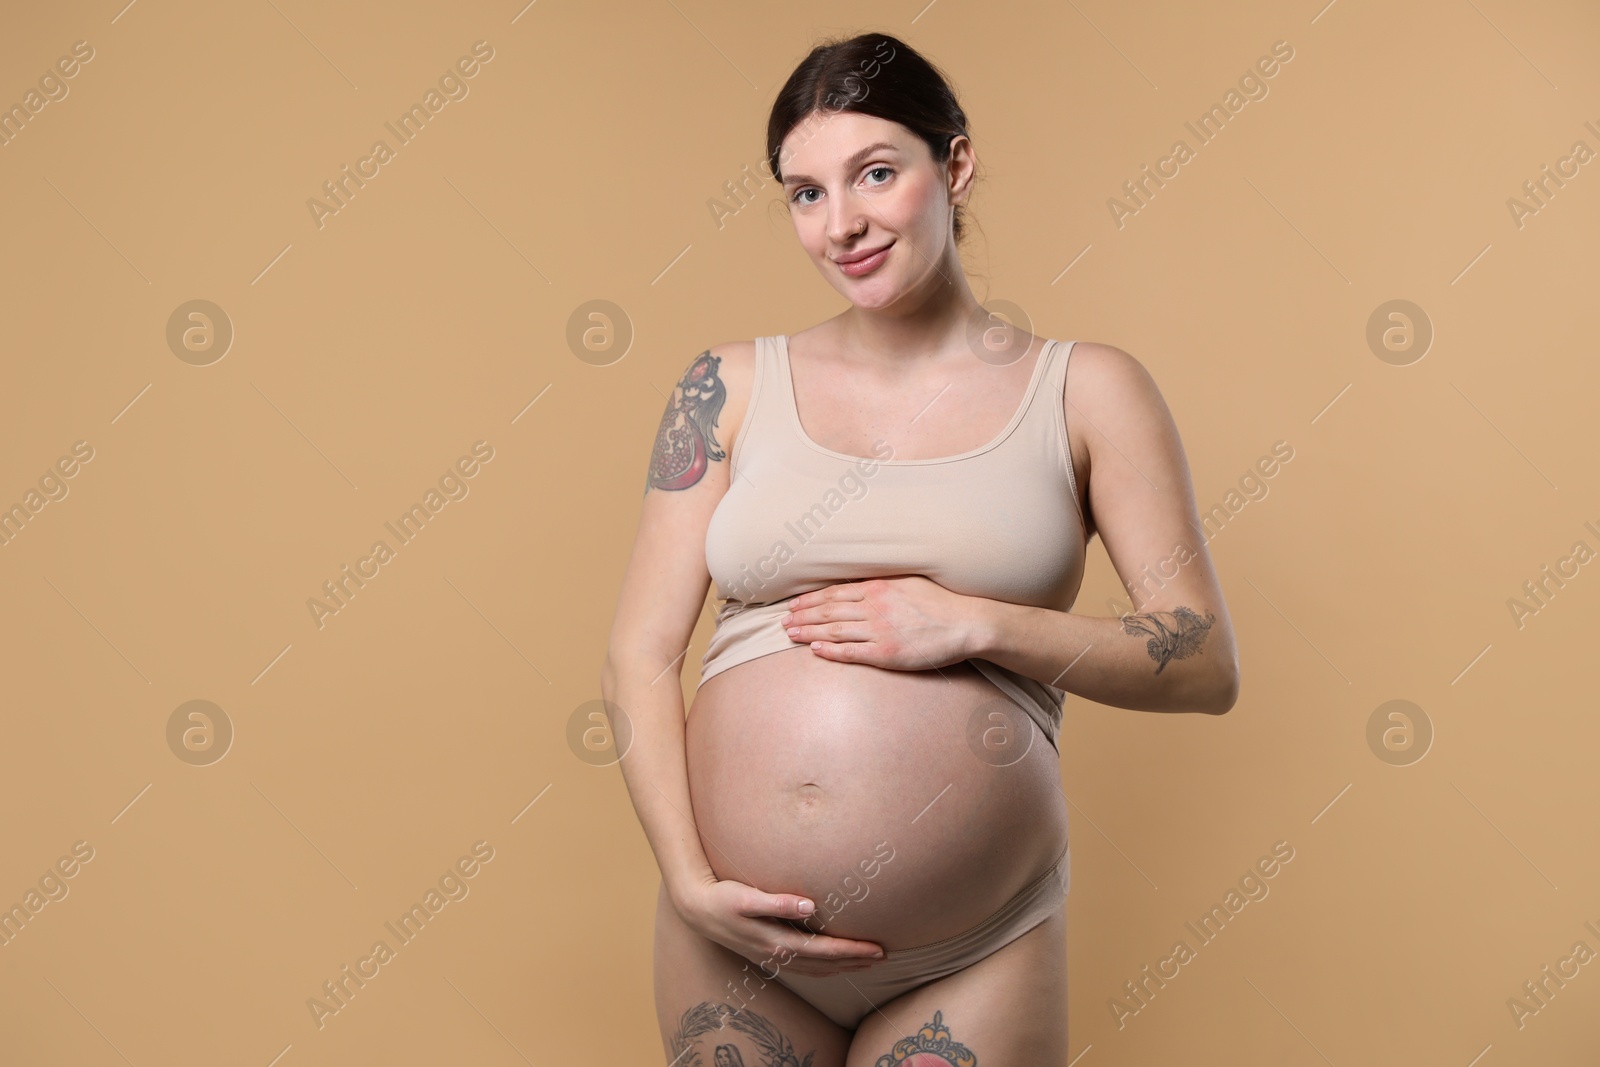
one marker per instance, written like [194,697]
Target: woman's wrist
[682,883]
[986,626]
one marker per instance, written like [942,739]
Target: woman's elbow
[1208,690]
[1223,692]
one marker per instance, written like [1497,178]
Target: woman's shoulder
[735,363]
[717,382]
[730,373]
[1101,373]
[1102,353]
[723,368]
[1106,386]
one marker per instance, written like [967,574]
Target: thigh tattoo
[921,1048]
[706,1018]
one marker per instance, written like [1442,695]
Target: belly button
[810,795]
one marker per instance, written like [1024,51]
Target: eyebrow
[849,164]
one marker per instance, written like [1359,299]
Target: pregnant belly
[858,788]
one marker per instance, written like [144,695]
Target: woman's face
[858,183]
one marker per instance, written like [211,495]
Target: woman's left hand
[909,623]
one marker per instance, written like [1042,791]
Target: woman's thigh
[716,1009]
[1009,1009]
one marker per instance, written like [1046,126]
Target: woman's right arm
[663,592]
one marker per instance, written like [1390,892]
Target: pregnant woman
[860,828]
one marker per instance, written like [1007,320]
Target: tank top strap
[1045,387]
[1043,428]
[756,422]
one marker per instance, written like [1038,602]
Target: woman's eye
[799,193]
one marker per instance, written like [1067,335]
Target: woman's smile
[867,265]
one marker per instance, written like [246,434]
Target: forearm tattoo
[686,442]
[1176,634]
[774,1048]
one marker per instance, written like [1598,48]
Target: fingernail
[878,955]
[806,907]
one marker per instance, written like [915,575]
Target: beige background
[432,310]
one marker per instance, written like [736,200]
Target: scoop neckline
[1010,427]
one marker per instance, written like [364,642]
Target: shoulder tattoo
[686,442]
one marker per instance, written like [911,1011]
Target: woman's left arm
[1175,653]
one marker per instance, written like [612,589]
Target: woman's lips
[868,265]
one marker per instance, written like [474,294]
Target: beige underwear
[847,998]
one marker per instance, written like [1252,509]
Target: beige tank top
[1000,521]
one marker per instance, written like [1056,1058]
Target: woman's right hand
[746,920]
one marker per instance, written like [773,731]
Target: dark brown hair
[871,74]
